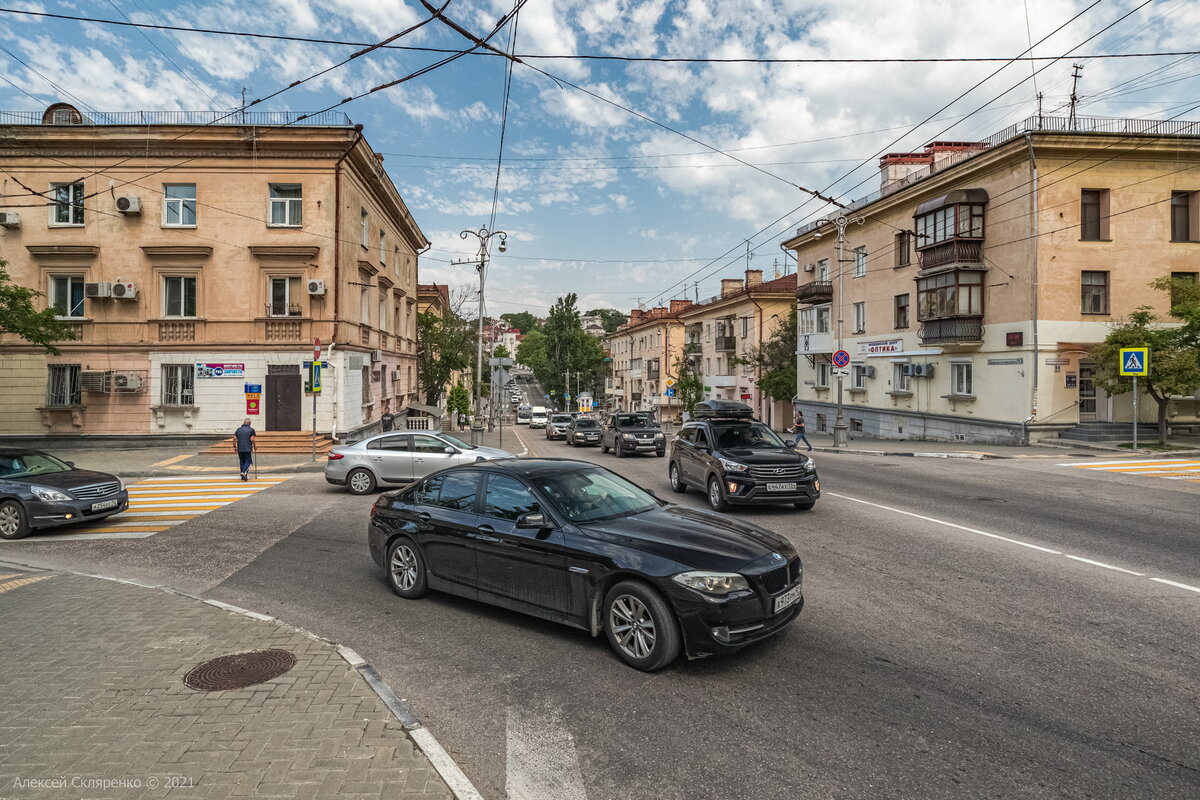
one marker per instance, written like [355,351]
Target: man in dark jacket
[386,419]
[244,437]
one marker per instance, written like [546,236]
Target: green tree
[19,317]
[689,387]
[1174,351]
[521,320]
[500,351]
[568,349]
[531,351]
[609,317]
[445,346]
[459,401]
[775,361]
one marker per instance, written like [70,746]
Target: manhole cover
[238,670]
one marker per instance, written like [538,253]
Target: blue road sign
[1135,361]
[546,396]
[669,392]
[841,358]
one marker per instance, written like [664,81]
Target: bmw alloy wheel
[631,623]
[404,567]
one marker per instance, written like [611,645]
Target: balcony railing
[815,292]
[653,374]
[947,330]
[691,348]
[284,310]
[263,118]
[725,344]
[954,251]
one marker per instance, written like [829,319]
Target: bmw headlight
[720,583]
[733,466]
[48,494]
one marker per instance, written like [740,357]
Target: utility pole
[1075,98]
[841,222]
[480,261]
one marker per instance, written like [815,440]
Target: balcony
[692,348]
[815,292]
[653,374]
[808,344]
[720,381]
[953,251]
[952,330]
[725,344]
[633,374]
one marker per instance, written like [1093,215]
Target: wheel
[406,569]
[806,505]
[360,481]
[618,451]
[676,479]
[716,498]
[640,626]
[603,446]
[661,453]
[14,524]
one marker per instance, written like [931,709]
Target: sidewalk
[95,704]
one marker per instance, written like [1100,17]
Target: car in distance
[538,416]
[737,460]
[39,491]
[627,433]
[572,542]
[556,428]
[400,457]
[583,431]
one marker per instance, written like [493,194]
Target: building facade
[644,354]
[198,259]
[969,295]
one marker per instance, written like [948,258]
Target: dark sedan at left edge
[571,542]
[39,491]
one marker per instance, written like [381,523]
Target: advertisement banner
[220,370]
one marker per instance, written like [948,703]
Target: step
[278,442]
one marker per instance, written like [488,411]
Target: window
[745,327]
[950,294]
[287,209]
[823,269]
[903,249]
[62,387]
[398,328]
[458,491]
[1183,217]
[858,376]
[178,384]
[179,296]
[960,221]
[860,261]
[364,305]
[382,247]
[284,292]
[960,379]
[66,295]
[901,311]
[860,317]
[179,205]
[823,371]
[1094,293]
[364,236]
[396,444]
[67,208]
[507,498]
[823,319]
[429,445]
[1093,215]
[366,386]
[900,378]
[383,318]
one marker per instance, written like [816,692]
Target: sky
[625,181]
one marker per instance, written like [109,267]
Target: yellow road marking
[174,460]
[122,529]
[10,585]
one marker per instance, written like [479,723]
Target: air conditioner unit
[376,355]
[125,382]
[129,204]
[10,219]
[125,291]
[868,372]
[91,382]
[103,289]
[810,267]
[922,370]
[316,288]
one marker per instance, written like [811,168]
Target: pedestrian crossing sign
[1135,361]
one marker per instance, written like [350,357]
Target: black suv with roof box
[737,460]
[629,432]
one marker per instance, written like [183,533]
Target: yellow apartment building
[198,257]
[644,353]
[982,272]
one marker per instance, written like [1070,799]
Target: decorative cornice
[289,252]
[63,250]
[384,282]
[398,292]
[166,251]
[367,268]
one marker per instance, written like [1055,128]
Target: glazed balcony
[725,344]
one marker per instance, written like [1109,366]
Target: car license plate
[591,438]
[781,487]
[105,504]
[789,597]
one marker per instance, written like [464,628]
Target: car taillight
[374,506]
[335,456]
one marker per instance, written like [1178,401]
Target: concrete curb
[1119,451]
[978,456]
[460,785]
[316,466]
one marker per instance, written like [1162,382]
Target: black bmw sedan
[574,543]
[39,491]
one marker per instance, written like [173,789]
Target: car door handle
[377,458]
[484,534]
[424,517]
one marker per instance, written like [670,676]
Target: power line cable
[170,60]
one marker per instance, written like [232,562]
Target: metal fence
[255,118]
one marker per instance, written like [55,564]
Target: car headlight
[628,436]
[733,466]
[720,583]
[811,466]
[48,494]
[659,436]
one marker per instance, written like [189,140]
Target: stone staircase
[277,442]
[1108,432]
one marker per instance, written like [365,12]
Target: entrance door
[1087,393]
[283,401]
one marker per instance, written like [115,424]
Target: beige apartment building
[720,335]
[644,353]
[198,259]
[983,272]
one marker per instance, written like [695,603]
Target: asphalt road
[972,629]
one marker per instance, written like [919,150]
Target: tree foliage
[521,320]
[562,346]
[500,351]
[446,343]
[459,400]
[609,317]
[689,387]
[775,361]
[19,317]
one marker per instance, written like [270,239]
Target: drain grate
[239,669]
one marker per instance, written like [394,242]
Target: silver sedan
[400,457]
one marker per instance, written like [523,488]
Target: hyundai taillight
[335,456]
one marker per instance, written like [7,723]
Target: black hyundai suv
[737,460]
[626,433]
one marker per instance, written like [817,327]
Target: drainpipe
[337,229]
[1033,289]
[333,428]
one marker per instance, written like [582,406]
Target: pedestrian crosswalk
[159,504]
[1175,469]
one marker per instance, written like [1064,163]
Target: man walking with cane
[244,437]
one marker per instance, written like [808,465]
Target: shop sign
[220,370]
[884,346]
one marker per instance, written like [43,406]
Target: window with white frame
[179,205]
[860,261]
[285,296]
[900,378]
[824,369]
[66,295]
[960,379]
[179,296]
[745,327]
[383,247]
[383,319]
[286,205]
[364,234]
[860,317]
[62,385]
[823,317]
[67,206]
[178,384]
[823,269]
[858,376]
[807,320]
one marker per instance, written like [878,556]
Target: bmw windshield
[595,495]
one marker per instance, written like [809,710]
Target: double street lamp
[841,222]
[480,261]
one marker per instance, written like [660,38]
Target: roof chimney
[636,315]
[680,305]
[753,277]
[730,286]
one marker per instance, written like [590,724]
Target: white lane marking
[178,479]
[1010,540]
[75,537]
[541,762]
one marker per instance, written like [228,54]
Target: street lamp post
[480,261]
[841,222]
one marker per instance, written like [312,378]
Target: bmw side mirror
[533,519]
